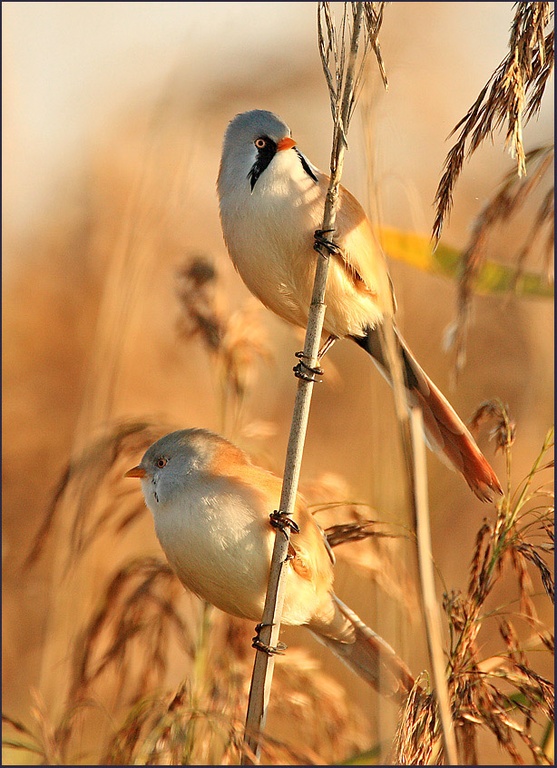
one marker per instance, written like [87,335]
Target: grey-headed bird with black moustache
[271,204]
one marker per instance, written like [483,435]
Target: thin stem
[264,662]
[430,604]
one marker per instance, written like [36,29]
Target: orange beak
[286,143]
[135,472]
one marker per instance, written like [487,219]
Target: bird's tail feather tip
[371,658]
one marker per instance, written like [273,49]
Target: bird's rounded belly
[225,563]
[285,286]
[280,272]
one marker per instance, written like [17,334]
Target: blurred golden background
[112,126]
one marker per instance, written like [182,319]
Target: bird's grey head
[168,463]
[251,141]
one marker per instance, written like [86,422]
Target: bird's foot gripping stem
[322,241]
[306,372]
[282,521]
[270,650]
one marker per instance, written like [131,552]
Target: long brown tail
[367,654]
[445,430]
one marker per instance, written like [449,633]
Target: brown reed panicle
[202,721]
[41,744]
[237,341]
[144,623]
[331,38]
[139,606]
[370,545]
[512,96]
[512,193]
[87,478]
[503,694]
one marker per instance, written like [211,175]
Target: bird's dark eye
[260,143]
[161,462]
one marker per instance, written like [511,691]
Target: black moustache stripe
[264,157]
[305,165]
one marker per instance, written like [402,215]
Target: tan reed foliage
[502,694]
[513,193]
[144,630]
[375,548]
[236,341]
[512,96]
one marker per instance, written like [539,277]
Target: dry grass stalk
[430,605]
[343,88]
[512,193]
[512,96]
[503,694]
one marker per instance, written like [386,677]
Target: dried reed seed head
[136,620]
[86,479]
[513,192]
[525,583]
[512,95]
[417,735]
[197,294]
[346,522]
[504,430]
[454,607]
[508,633]
[343,57]
[245,344]
[531,553]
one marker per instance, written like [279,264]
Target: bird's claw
[270,650]
[306,372]
[282,521]
[322,241]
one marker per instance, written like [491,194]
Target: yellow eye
[260,143]
[161,462]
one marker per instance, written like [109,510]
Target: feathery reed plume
[196,290]
[512,96]
[374,548]
[333,52]
[503,694]
[509,197]
[237,341]
[92,469]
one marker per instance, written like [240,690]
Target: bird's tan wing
[311,557]
[361,255]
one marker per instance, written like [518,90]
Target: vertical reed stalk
[432,615]
[342,99]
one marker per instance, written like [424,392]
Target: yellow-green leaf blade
[416,250]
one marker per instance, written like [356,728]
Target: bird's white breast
[269,235]
[219,544]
